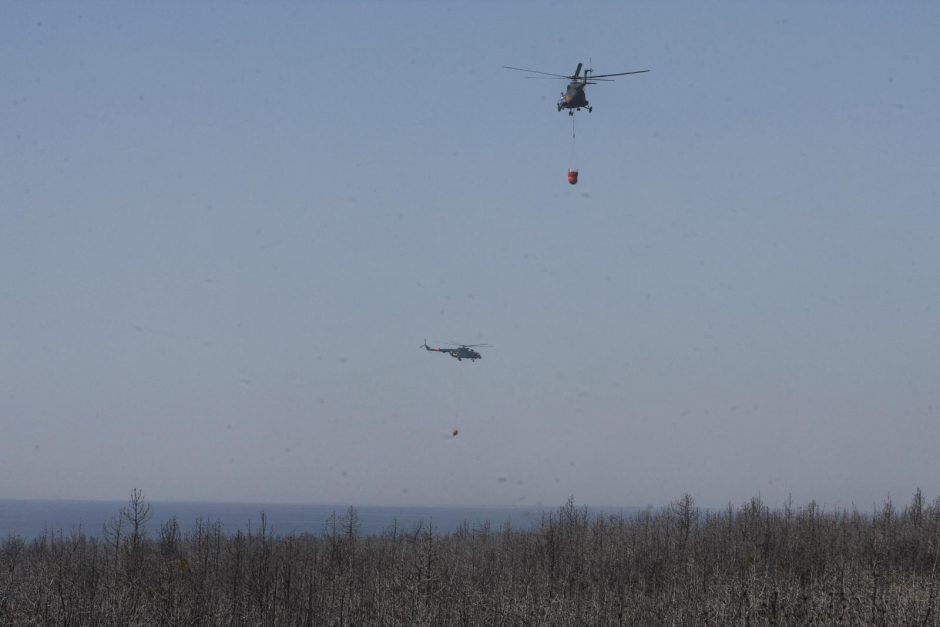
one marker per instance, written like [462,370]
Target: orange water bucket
[573,177]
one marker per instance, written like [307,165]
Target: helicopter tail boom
[432,349]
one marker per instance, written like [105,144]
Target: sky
[226,229]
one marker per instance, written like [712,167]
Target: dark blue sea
[28,519]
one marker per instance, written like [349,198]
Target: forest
[677,565]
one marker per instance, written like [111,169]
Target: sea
[29,519]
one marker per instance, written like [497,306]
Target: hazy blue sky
[226,228]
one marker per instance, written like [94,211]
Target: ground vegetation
[679,565]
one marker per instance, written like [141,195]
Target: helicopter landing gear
[570,112]
[590,109]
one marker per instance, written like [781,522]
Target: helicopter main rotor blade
[567,78]
[458,344]
[521,69]
[593,76]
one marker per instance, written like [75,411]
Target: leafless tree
[679,565]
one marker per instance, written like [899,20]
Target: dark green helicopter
[461,352]
[573,98]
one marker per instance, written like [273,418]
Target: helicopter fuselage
[464,353]
[573,97]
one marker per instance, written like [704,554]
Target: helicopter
[573,98]
[463,351]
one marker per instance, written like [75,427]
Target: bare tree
[680,565]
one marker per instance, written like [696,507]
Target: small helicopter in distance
[573,98]
[463,351]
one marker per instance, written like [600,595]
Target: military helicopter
[573,98]
[463,351]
